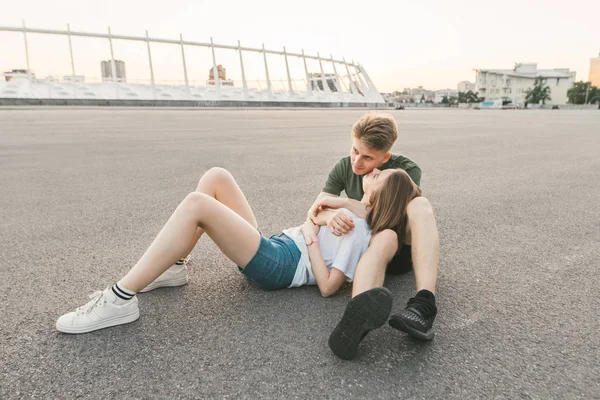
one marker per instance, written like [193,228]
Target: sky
[401,44]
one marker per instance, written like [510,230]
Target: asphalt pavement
[85,190]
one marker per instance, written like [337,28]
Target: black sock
[429,297]
[426,294]
[424,302]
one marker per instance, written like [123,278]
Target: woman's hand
[309,229]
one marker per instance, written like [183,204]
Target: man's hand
[340,224]
[332,203]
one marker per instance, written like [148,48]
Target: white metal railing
[358,80]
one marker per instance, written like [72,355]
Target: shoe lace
[422,305]
[97,299]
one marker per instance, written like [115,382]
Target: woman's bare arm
[329,282]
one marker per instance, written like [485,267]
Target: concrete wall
[566,107]
[182,103]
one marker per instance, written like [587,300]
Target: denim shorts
[274,264]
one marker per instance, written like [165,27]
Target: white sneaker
[177,275]
[101,312]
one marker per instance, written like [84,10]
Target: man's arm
[339,223]
[334,185]
[311,212]
[357,208]
[323,209]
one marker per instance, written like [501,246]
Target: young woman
[304,255]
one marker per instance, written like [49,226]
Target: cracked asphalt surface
[84,192]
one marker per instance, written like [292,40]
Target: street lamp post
[587,91]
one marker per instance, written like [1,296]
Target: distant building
[594,76]
[222,73]
[107,72]
[316,81]
[416,95]
[511,84]
[418,92]
[465,86]
[17,74]
[389,98]
[440,94]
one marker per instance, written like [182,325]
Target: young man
[372,138]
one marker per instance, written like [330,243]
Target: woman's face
[374,180]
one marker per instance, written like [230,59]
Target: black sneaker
[365,312]
[417,318]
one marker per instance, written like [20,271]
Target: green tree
[472,97]
[468,97]
[577,93]
[445,100]
[538,93]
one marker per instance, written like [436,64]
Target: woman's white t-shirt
[339,252]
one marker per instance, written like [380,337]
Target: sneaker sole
[401,325]
[106,323]
[170,283]
[367,311]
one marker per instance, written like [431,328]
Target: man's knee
[419,207]
[386,241]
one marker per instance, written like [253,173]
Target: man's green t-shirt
[342,178]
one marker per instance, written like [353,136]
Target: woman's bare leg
[237,238]
[220,184]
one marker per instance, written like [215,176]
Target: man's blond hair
[376,131]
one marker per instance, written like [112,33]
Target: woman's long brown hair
[388,205]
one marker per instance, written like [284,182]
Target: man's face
[365,159]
